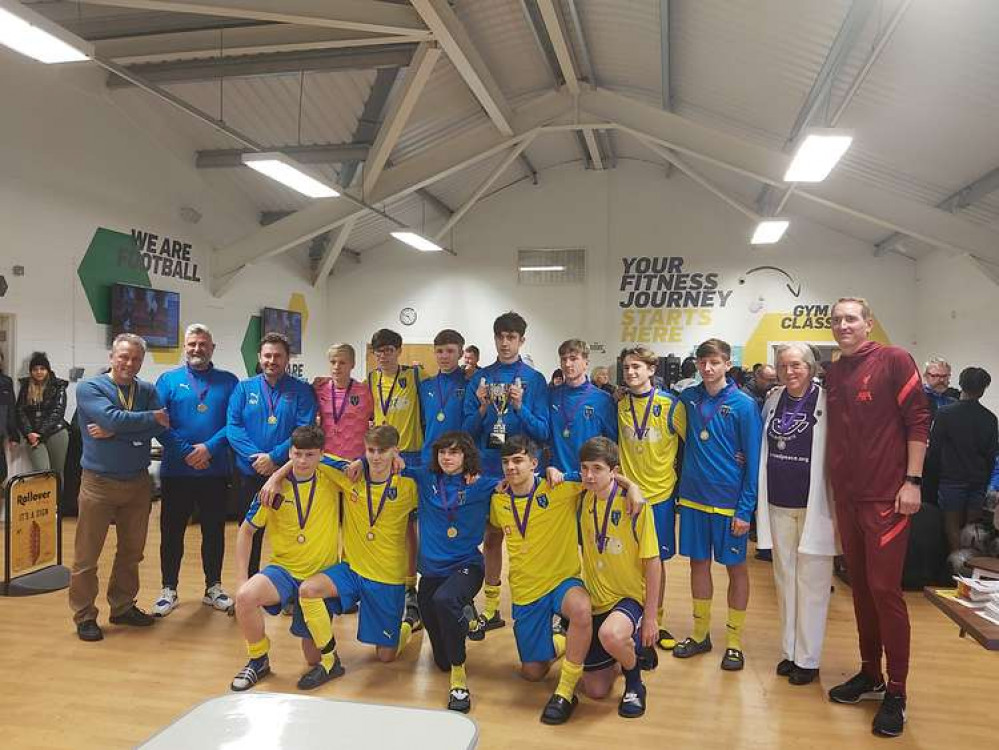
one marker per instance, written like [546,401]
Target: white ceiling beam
[359,15]
[454,38]
[241,41]
[487,183]
[842,192]
[417,76]
[556,32]
[333,252]
[596,161]
[436,163]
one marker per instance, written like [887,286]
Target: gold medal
[781,444]
[202,408]
[271,419]
[705,435]
[301,539]
[440,416]
[371,536]
[452,532]
[566,433]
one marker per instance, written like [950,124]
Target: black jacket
[48,417]
[8,421]
[964,441]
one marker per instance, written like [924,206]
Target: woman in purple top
[794,512]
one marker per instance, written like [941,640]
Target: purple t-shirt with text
[789,438]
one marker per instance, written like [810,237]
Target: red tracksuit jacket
[876,405]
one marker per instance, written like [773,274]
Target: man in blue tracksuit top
[504,399]
[578,410]
[442,397]
[196,467]
[119,414]
[718,496]
[263,412]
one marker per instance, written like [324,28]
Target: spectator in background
[41,415]
[8,419]
[964,442]
[688,375]
[557,378]
[471,365]
[763,379]
[600,377]
[936,385]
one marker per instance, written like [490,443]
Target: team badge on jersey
[542,501]
[355,400]
[615,517]
[588,412]
[461,497]
[657,409]
[393,493]
[402,382]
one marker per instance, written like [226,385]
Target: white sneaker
[166,604]
[217,598]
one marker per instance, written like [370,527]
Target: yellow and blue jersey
[397,402]
[651,427]
[302,548]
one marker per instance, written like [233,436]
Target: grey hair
[129,338]
[936,361]
[803,350]
[196,328]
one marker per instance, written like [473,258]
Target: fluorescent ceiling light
[817,154]
[769,231]
[32,34]
[418,241]
[542,268]
[279,167]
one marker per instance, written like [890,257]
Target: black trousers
[442,602]
[180,496]
[249,486]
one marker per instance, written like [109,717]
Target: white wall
[628,211]
[959,317]
[72,163]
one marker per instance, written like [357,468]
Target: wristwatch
[917,481]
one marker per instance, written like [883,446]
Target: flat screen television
[287,322]
[153,314]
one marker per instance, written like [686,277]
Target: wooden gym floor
[58,692]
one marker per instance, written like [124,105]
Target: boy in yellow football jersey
[651,424]
[303,531]
[376,512]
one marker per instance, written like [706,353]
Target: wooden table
[983,631]
[276,721]
[984,567]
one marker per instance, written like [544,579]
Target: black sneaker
[134,617]
[648,659]
[632,703]
[558,709]
[689,647]
[412,613]
[858,688]
[802,675]
[733,660]
[459,699]
[319,676]
[665,640]
[478,633]
[89,630]
[249,675]
[785,667]
[890,718]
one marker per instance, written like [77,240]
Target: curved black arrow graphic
[794,287]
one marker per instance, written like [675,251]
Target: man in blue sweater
[196,467]
[507,398]
[263,412]
[119,415]
[718,496]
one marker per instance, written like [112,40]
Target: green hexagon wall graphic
[111,258]
[251,339]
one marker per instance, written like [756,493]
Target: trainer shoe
[858,688]
[89,630]
[166,604]
[319,676]
[412,612]
[133,616]
[802,675]
[478,632]
[648,659]
[689,647]
[459,699]
[558,709]
[217,598]
[665,640]
[632,703]
[890,718]
[250,675]
[733,660]
[785,667]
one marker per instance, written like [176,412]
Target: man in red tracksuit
[878,425]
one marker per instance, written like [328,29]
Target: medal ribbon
[387,402]
[373,515]
[271,395]
[601,531]
[338,413]
[718,401]
[786,418]
[126,403]
[640,431]
[441,392]
[302,520]
[193,381]
[522,525]
[450,510]
[570,417]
